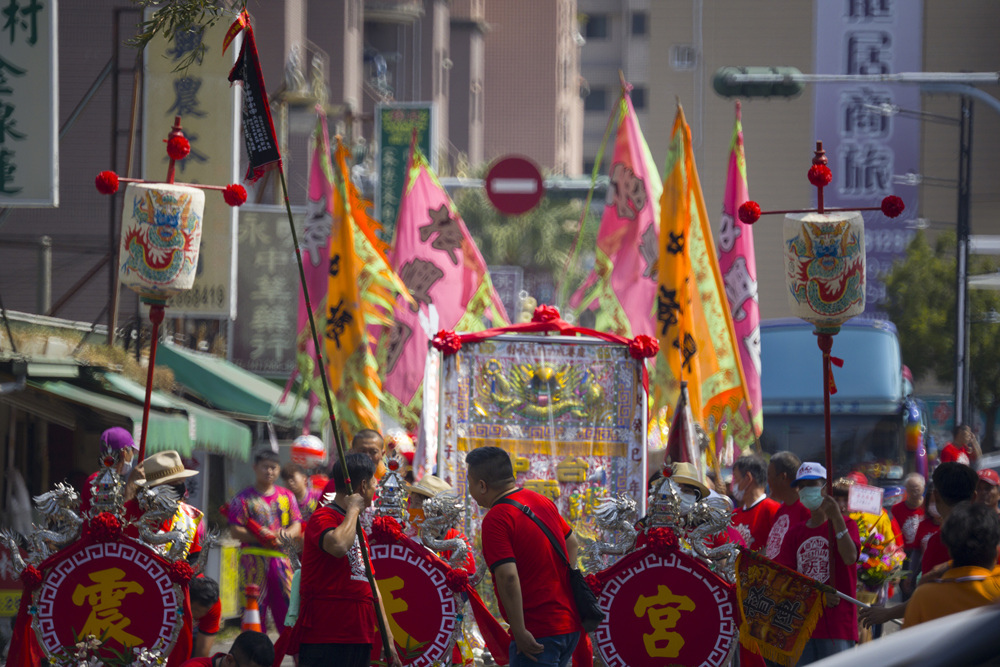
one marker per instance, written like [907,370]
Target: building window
[588,167]
[597,26]
[639,23]
[683,57]
[639,97]
[597,100]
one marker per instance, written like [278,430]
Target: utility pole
[962,375]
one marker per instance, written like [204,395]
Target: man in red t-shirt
[251,649]
[781,473]
[953,483]
[336,622]
[206,612]
[908,513]
[807,549]
[988,490]
[964,447]
[365,441]
[754,513]
[530,579]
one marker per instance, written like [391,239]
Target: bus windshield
[873,444]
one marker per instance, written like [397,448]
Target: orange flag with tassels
[693,320]
[361,294]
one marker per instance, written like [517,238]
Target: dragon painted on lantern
[161,248]
[826,266]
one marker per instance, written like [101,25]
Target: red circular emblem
[514,185]
[420,605]
[665,611]
[119,591]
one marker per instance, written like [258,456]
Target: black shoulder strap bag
[587,607]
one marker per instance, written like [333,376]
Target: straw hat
[164,468]
[686,473]
[430,486]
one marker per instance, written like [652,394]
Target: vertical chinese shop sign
[29,104]
[267,280]
[394,125]
[870,153]
[207,105]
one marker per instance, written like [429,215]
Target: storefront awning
[166,431]
[211,431]
[229,388]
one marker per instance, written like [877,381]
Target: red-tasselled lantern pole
[824,270]
[160,240]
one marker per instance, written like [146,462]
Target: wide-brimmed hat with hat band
[164,468]
[430,486]
[686,473]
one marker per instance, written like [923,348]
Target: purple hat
[116,439]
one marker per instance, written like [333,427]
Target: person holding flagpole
[825,548]
[336,622]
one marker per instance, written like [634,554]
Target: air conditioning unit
[683,57]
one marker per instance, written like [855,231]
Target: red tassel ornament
[107,182]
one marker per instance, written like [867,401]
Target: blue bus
[871,411]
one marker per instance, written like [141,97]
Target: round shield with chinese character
[419,605]
[119,592]
[669,610]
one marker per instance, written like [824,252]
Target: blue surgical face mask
[811,497]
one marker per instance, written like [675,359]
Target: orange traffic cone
[251,613]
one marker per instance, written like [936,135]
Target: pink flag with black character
[447,277]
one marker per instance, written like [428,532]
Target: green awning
[212,431]
[229,388]
[166,431]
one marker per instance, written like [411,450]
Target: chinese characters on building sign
[267,288]
[868,149]
[394,125]
[29,103]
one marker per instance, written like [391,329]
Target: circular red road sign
[514,185]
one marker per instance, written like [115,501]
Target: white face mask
[811,497]
[738,493]
[688,500]
[933,511]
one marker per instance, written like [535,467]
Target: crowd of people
[948,527]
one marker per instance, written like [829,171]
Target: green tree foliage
[921,293]
[181,16]
[540,241]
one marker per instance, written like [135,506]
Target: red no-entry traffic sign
[514,185]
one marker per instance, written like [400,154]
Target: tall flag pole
[263,154]
[316,242]
[622,286]
[739,274]
[447,279]
[693,323]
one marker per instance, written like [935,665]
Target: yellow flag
[693,322]
[362,290]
